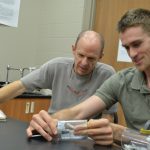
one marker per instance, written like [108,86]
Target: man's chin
[141,68]
[81,73]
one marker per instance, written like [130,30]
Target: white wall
[62,20]
[47,29]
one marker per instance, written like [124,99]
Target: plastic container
[134,140]
[66,130]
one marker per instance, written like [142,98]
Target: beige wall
[47,29]
[18,45]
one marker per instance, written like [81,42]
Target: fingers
[97,123]
[29,131]
[99,130]
[46,122]
[43,124]
[101,137]
[95,131]
[104,142]
[93,124]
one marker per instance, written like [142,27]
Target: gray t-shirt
[67,87]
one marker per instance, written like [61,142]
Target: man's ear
[73,49]
[101,55]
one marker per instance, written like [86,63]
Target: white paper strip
[122,53]
[9,12]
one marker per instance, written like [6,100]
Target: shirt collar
[139,83]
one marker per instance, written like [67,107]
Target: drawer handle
[32,107]
[27,107]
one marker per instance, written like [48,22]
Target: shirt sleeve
[40,78]
[109,91]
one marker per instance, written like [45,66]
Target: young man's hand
[99,130]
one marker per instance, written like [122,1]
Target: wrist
[117,132]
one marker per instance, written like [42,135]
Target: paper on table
[9,12]
[2,116]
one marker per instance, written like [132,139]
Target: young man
[71,80]
[131,87]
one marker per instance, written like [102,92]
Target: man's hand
[44,124]
[99,130]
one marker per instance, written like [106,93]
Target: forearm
[82,110]
[65,114]
[11,90]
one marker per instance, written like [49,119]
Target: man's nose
[133,52]
[84,61]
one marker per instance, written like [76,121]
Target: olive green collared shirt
[129,88]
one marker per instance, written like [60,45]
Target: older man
[71,80]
